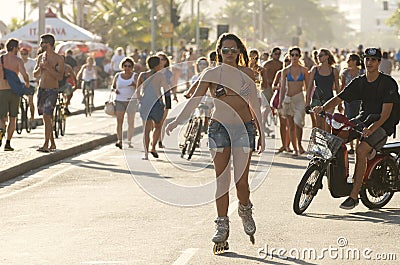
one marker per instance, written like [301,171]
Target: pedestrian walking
[324,77]
[50,69]
[169,76]
[283,124]
[11,66]
[151,106]
[124,86]
[116,60]
[232,130]
[268,72]
[291,99]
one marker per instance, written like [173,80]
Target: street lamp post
[153,25]
[198,27]
[41,19]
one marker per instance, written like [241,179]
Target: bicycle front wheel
[195,135]
[63,121]
[307,189]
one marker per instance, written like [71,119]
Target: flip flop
[43,150]
[154,153]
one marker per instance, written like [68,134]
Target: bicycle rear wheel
[195,137]
[86,98]
[56,123]
[25,119]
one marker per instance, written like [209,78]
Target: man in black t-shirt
[379,95]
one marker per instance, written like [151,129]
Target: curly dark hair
[242,58]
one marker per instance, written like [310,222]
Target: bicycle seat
[392,147]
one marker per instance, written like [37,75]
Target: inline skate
[249,226]
[221,235]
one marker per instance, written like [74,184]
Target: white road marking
[186,256]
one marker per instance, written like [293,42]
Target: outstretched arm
[193,102]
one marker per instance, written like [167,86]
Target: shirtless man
[268,72]
[50,69]
[8,99]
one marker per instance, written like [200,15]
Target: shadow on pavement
[268,259]
[387,216]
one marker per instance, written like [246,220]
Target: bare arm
[22,70]
[36,71]
[336,75]
[310,85]
[191,104]
[282,92]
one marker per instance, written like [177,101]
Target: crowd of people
[245,86]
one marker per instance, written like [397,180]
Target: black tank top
[323,86]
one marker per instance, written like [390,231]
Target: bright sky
[10,9]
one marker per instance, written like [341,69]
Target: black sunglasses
[226,50]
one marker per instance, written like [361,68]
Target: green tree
[283,20]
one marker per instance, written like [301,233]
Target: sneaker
[349,203]
[8,148]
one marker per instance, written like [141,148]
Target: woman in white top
[87,75]
[124,85]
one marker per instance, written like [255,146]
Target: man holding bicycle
[379,95]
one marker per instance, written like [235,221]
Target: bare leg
[292,133]
[241,164]
[120,120]
[31,106]
[156,135]
[148,125]
[299,136]
[362,152]
[11,127]
[131,126]
[222,168]
[48,130]
[163,127]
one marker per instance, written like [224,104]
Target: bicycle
[329,158]
[22,117]
[88,92]
[59,117]
[196,127]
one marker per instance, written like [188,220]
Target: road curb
[51,158]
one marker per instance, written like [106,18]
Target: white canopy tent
[62,29]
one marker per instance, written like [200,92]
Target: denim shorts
[129,107]
[233,135]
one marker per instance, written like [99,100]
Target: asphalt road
[97,208]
